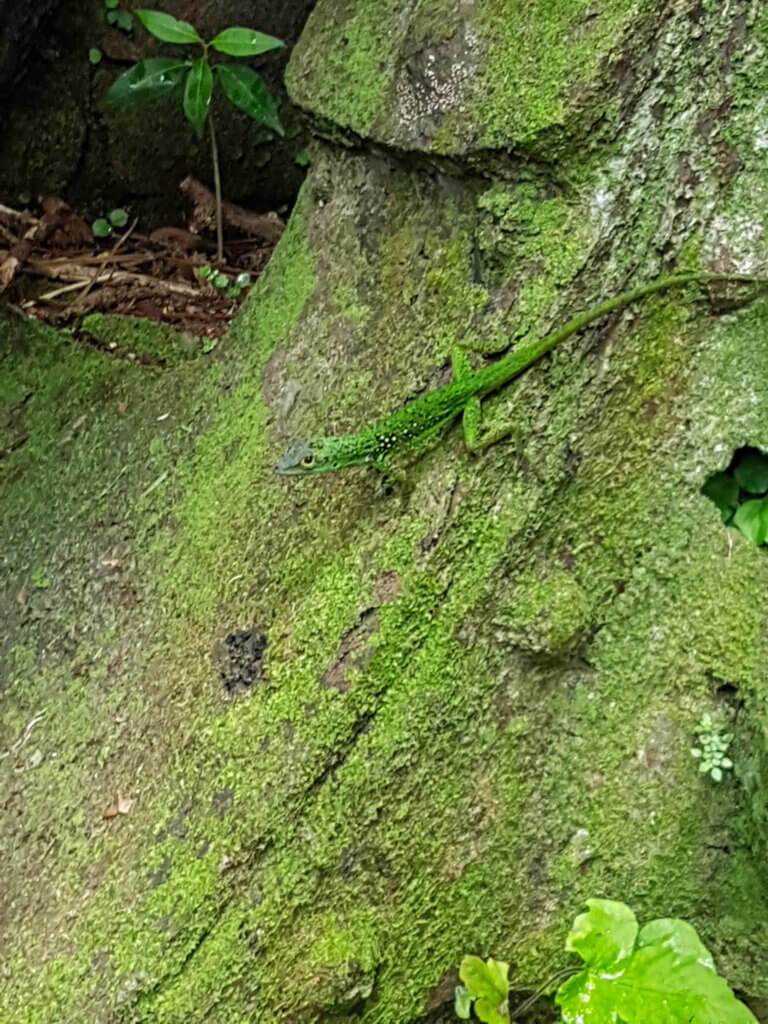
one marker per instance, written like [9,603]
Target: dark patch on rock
[388,586]
[221,800]
[354,652]
[161,873]
[242,660]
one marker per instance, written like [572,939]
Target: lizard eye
[308,461]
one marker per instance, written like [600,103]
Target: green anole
[413,427]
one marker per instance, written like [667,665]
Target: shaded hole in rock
[243,656]
[741,493]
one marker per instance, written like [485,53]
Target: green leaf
[118,218]
[751,519]
[581,1001]
[111,17]
[490,1014]
[604,935]
[661,984]
[485,980]
[246,90]
[244,42]
[145,81]
[94,55]
[111,4]
[668,979]
[197,93]
[723,490]
[672,933]
[124,20]
[751,472]
[101,228]
[220,281]
[462,1002]
[166,27]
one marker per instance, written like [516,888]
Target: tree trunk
[363,737]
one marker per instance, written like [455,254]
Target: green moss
[132,338]
[342,65]
[541,63]
[470,708]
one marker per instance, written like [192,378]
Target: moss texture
[458,79]
[474,710]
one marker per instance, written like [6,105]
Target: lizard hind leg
[472,415]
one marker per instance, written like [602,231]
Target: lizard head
[305,458]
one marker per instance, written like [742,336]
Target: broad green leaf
[101,228]
[662,986]
[485,981]
[145,81]
[244,42]
[672,933]
[124,20]
[582,1000]
[111,4]
[246,90]
[668,979]
[111,17]
[489,1013]
[462,1002]
[197,93]
[604,935]
[751,472]
[94,55]
[166,27]
[751,519]
[723,490]
[118,218]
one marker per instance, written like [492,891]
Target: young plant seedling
[194,79]
[660,972]
[219,280]
[711,747]
[116,16]
[102,227]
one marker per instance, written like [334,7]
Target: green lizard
[420,421]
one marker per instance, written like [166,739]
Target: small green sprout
[221,281]
[102,227]
[486,985]
[116,16]
[712,746]
[40,580]
[94,55]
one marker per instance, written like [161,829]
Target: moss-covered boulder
[352,736]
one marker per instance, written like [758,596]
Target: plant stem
[217,189]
